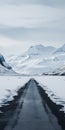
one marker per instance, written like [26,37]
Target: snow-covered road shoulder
[54,87]
[9,86]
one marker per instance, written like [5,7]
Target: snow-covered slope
[40,50]
[59,71]
[38,60]
[34,60]
[60,50]
[4,67]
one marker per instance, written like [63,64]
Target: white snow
[54,87]
[5,68]
[5,64]
[61,49]
[5,71]
[38,60]
[9,86]
[40,50]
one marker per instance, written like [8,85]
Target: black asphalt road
[33,115]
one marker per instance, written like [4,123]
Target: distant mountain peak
[40,49]
[61,49]
[39,59]
[39,45]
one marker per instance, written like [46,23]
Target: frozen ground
[9,86]
[54,86]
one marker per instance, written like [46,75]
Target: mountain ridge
[40,49]
[5,68]
[36,61]
[60,49]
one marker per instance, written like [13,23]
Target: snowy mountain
[38,60]
[60,50]
[60,71]
[40,50]
[4,67]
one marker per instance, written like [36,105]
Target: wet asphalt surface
[31,113]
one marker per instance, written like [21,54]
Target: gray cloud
[53,33]
[44,2]
[36,20]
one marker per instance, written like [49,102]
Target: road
[32,115]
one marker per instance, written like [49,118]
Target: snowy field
[9,86]
[54,86]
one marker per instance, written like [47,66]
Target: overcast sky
[28,22]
